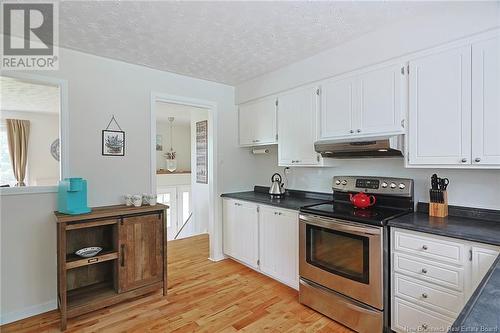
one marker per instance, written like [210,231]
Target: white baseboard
[217,258]
[29,311]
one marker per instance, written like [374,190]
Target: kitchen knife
[434,182]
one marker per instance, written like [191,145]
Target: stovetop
[377,215]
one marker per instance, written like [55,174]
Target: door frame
[214,207]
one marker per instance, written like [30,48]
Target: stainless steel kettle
[277,187]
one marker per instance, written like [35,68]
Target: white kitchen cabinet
[337,108]
[297,113]
[483,256]
[241,231]
[257,122]
[433,277]
[381,96]
[486,102]
[279,247]
[440,108]
[370,103]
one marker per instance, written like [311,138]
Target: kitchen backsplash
[472,188]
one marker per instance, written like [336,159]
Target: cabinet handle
[123,255]
[424,247]
[358,130]
[93,260]
[424,295]
[464,160]
[424,270]
[477,160]
[351,131]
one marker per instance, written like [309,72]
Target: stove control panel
[374,185]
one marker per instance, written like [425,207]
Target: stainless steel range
[344,251]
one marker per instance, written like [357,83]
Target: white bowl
[88,252]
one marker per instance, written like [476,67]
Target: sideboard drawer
[430,247]
[411,318]
[427,270]
[421,293]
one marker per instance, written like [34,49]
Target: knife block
[439,209]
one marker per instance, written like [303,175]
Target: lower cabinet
[241,231]
[433,277]
[264,238]
[279,244]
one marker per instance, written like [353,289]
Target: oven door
[344,256]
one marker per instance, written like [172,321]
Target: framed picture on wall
[113,143]
[202,152]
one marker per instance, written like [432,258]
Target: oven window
[338,252]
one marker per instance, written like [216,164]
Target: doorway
[175,162]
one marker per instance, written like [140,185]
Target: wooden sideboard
[133,261]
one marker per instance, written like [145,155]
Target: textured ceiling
[228,42]
[16,95]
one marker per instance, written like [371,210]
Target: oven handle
[339,225]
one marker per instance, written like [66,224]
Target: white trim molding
[63,130]
[28,312]
[215,207]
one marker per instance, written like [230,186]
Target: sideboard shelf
[74,261]
[132,263]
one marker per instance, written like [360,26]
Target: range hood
[366,147]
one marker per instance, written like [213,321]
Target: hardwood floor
[203,296]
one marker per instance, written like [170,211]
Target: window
[6,173]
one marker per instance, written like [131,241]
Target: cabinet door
[486,102]
[337,108]
[381,101]
[279,249]
[297,113]
[257,122]
[440,108]
[482,259]
[246,224]
[141,251]
[229,221]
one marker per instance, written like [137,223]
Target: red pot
[362,200]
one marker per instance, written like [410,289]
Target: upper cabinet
[486,102]
[439,109]
[257,122]
[297,112]
[454,107]
[381,103]
[370,103]
[337,108]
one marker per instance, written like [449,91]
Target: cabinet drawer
[437,298]
[427,270]
[430,247]
[408,317]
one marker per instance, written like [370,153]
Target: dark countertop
[293,199]
[482,311]
[461,223]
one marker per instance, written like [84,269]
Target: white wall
[199,192]
[478,188]
[98,88]
[42,168]
[28,255]
[471,188]
[181,136]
